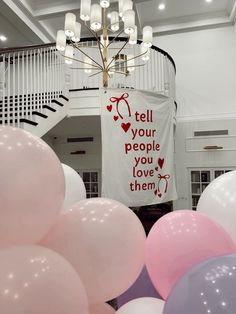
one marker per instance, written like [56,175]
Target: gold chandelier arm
[84,69]
[115,38]
[118,22]
[84,53]
[95,73]
[77,60]
[117,54]
[138,56]
[119,72]
[138,65]
[95,35]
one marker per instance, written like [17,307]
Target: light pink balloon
[102,308]
[35,280]
[105,241]
[31,187]
[179,241]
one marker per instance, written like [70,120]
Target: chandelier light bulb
[134,36]
[87,65]
[121,4]
[70,20]
[130,63]
[145,52]
[114,21]
[105,3]
[96,17]
[129,22]
[61,41]
[147,36]
[85,7]
[69,53]
[76,37]
[127,5]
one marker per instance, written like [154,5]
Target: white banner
[137,147]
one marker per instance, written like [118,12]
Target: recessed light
[162,6]
[209,1]
[3,38]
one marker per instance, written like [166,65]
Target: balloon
[36,280]
[142,287]
[179,241]
[102,308]
[218,201]
[104,241]
[75,189]
[32,187]
[207,288]
[142,306]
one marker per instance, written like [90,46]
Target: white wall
[206,70]
[84,126]
[190,152]
[206,97]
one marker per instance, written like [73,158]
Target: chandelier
[105,27]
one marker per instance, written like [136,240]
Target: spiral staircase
[37,89]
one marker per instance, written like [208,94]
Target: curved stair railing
[32,79]
[157,75]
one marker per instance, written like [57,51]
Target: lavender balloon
[208,288]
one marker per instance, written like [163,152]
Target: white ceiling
[15,29]
[43,18]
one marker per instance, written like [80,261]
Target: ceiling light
[209,1]
[96,14]
[3,38]
[162,6]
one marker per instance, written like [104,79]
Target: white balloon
[218,201]
[75,189]
[142,306]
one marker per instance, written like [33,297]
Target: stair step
[23,120]
[29,122]
[64,97]
[54,101]
[49,108]
[40,114]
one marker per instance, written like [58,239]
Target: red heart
[157,193]
[125,126]
[109,108]
[156,168]
[115,118]
[161,162]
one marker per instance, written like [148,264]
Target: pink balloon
[31,187]
[179,241]
[36,280]
[105,241]
[102,308]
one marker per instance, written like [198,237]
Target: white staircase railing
[30,79]
[157,75]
